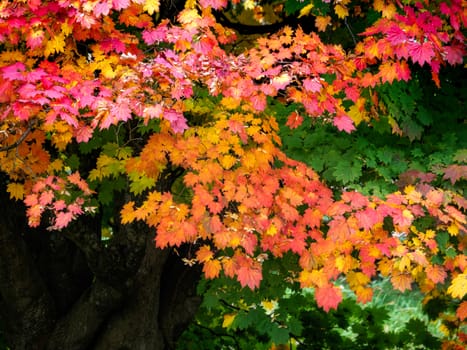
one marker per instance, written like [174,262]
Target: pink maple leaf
[101,8]
[120,4]
[121,112]
[177,121]
[344,123]
[14,71]
[156,35]
[63,219]
[312,85]
[421,53]
[83,133]
[215,4]
[113,44]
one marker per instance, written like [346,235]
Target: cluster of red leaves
[423,33]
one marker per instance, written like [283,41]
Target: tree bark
[69,290]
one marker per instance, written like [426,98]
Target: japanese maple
[72,69]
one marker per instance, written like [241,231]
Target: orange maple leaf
[462,311]
[401,282]
[212,268]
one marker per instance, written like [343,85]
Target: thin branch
[20,140]
[216,334]
[354,39]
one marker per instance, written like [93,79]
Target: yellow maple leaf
[151,6]
[228,161]
[403,263]
[378,5]
[341,11]
[357,279]
[55,44]
[356,115]
[453,229]
[272,230]
[389,11]
[191,4]
[458,287]
[16,190]
[230,102]
[344,263]
[306,10]
[56,165]
[66,28]
[128,213]
[228,320]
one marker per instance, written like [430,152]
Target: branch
[78,328]
[20,140]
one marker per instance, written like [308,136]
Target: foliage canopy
[325,155]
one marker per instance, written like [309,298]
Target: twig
[18,142]
[350,31]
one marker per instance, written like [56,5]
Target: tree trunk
[69,290]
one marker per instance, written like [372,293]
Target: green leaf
[140,182]
[347,172]
[442,238]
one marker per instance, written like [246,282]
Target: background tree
[125,122]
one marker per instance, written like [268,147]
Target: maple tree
[122,129]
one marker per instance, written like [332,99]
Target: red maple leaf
[294,120]
[455,172]
[248,272]
[328,297]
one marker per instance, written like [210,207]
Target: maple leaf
[62,219]
[458,287]
[436,273]
[455,172]
[328,297]
[120,4]
[212,268]
[294,120]
[14,72]
[341,11]
[461,311]
[228,320]
[321,22]
[204,254]
[16,190]
[401,282]
[312,85]
[54,45]
[215,4]
[248,272]
[364,295]
[344,123]
[101,8]
[151,6]
[421,53]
